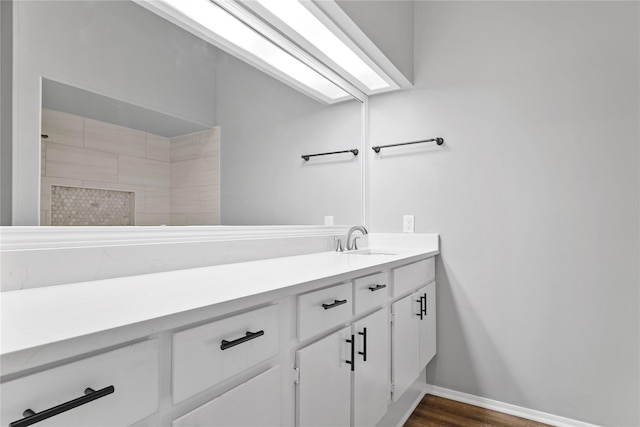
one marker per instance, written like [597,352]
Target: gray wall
[6,99]
[265,127]
[535,195]
[113,48]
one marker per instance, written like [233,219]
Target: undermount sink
[368,252]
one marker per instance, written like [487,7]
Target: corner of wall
[6,110]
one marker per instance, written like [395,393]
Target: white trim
[506,408]
[364,138]
[24,238]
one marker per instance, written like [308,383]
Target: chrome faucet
[354,245]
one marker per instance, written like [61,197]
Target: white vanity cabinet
[414,336]
[116,388]
[323,350]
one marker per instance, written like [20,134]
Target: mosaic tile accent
[91,206]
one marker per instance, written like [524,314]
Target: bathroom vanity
[318,339]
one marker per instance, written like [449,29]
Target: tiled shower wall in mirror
[175,181]
[195,184]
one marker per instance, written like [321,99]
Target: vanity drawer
[323,309]
[255,403]
[409,277]
[205,355]
[371,291]
[132,373]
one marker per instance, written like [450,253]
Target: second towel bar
[438,141]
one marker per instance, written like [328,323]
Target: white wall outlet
[408,223]
[328,220]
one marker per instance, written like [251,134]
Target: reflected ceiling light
[230,28]
[302,21]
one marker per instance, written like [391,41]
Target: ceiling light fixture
[303,22]
[257,47]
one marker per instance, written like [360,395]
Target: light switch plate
[328,220]
[408,223]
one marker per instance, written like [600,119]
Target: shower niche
[91,206]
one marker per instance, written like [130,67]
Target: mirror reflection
[107,162]
[145,124]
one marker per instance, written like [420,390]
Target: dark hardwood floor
[434,411]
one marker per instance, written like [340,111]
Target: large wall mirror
[127,119]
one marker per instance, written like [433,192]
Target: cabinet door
[405,345]
[428,325]
[255,403]
[371,374]
[324,388]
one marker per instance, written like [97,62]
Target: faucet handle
[355,243]
[338,244]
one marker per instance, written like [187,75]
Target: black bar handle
[425,303]
[377,287]
[421,313]
[248,337]
[352,362]
[364,344]
[334,304]
[438,141]
[353,151]
[31,417]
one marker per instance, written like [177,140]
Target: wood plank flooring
[434,411]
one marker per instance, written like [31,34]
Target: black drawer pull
[424,311]
[334,304]
[421,314]
[352,362]
[377,287]
[363,353]
[248,337]
[31,417]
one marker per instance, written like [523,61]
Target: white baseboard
[506,408]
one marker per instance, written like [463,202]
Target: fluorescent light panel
[301,20]
[227,26]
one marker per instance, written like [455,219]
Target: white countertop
[35,318]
